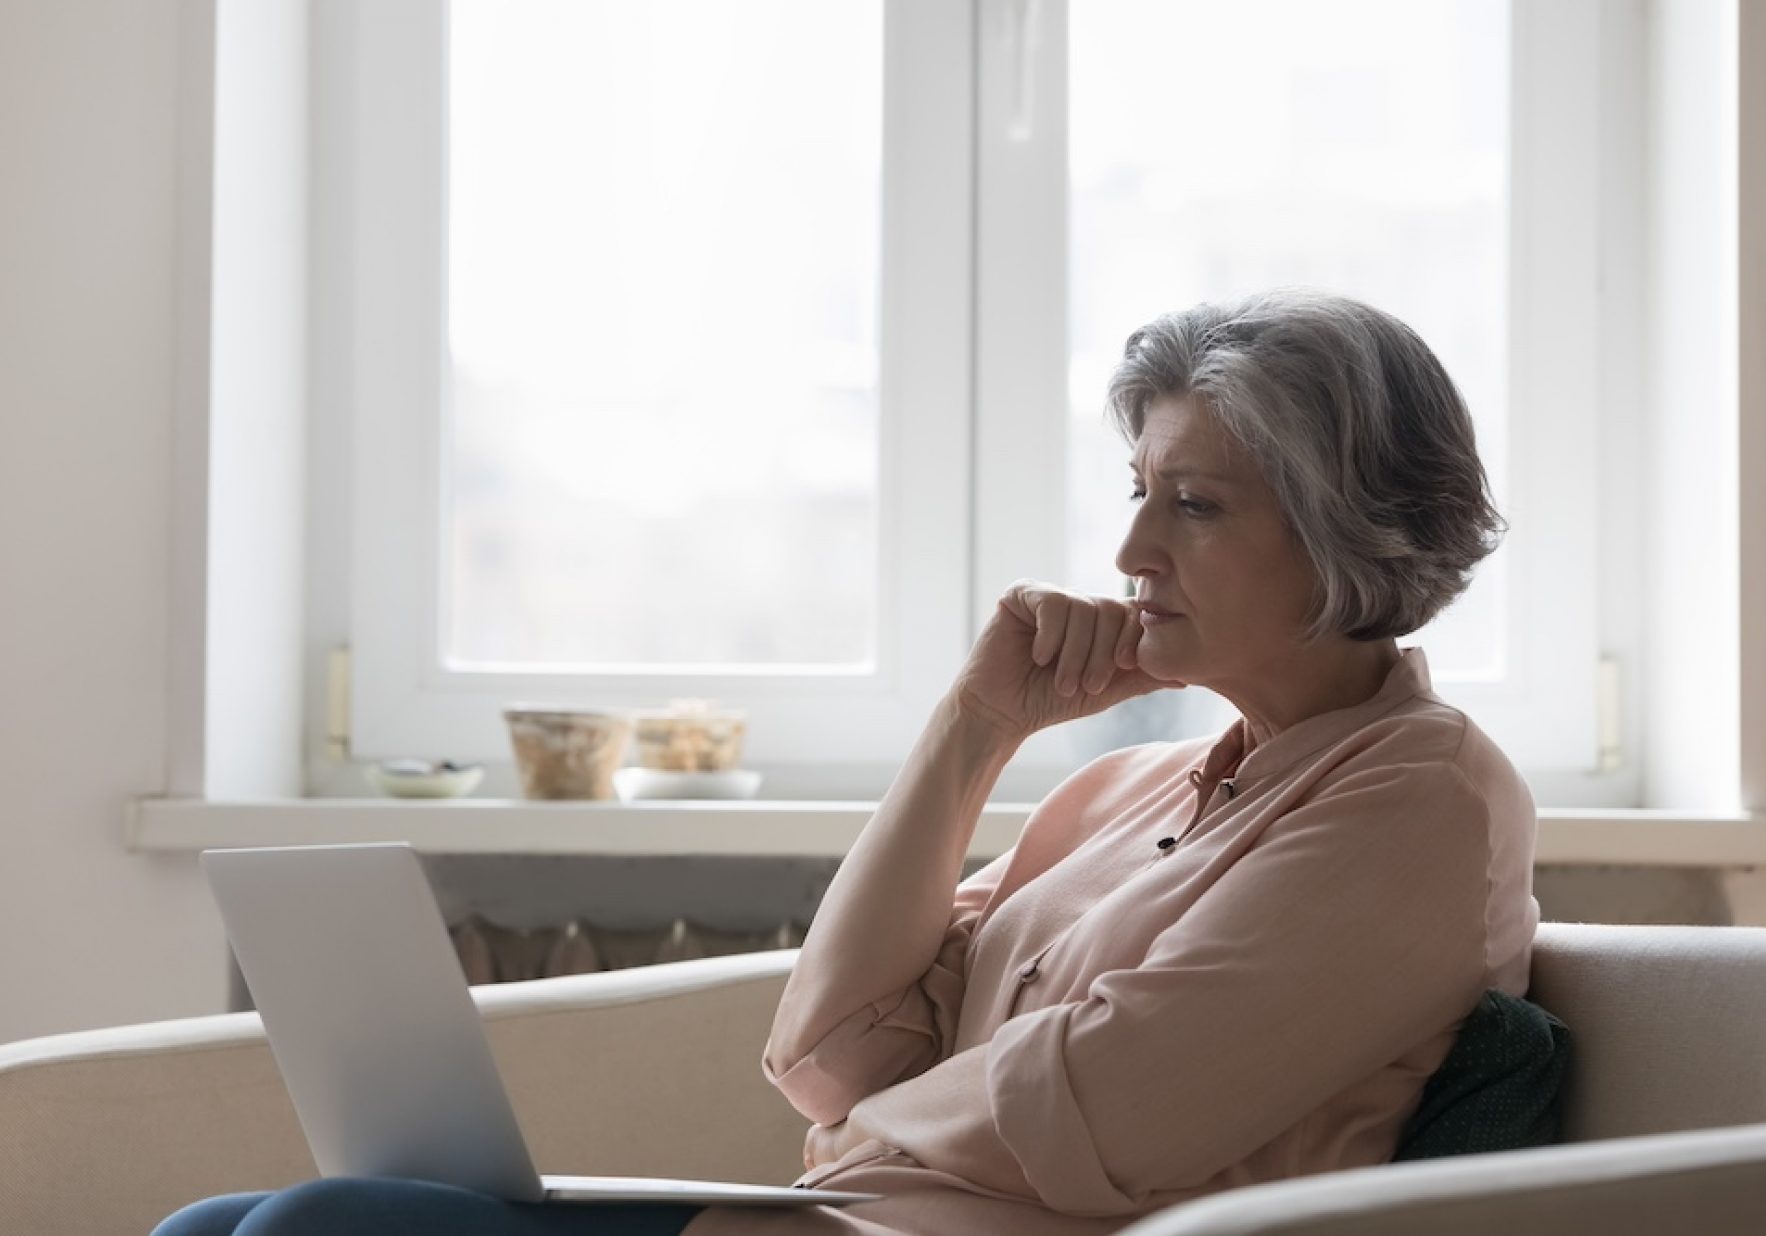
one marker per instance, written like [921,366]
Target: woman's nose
[1137,555]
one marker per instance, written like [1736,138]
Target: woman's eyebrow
[1182,472]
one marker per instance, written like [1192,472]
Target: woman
[1204,964]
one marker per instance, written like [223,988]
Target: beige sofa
[655,1071]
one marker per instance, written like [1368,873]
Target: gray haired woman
[1204,963]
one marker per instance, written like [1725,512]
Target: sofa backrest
[1669,1025]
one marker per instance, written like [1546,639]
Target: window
[1356,161]
[1368,147]
[662,344]
[522,347]
[761,383]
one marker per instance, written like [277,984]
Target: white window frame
[402,699]
[973,395]
[1544,709]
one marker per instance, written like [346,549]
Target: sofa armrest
[650,1071]
[1710,1181]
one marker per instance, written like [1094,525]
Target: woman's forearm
[884,915]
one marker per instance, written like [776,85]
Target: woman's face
[1208,543]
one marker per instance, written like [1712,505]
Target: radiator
[492,954]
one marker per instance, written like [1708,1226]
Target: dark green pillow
[1500,1088]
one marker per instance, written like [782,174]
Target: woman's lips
[1153,615]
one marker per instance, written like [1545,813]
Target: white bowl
[633,784]
[419,779]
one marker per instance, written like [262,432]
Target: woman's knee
[331,1203]
[213,1216]
[348,1206]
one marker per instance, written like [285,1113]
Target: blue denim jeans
[340,1206]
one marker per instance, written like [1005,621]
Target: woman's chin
[1165,668]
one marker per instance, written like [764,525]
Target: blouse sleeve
[896,1037]
[1351,932]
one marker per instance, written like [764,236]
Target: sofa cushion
[1498,1089]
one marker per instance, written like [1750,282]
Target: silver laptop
[378,1039]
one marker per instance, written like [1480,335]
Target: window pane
[1359,146]
[663,263]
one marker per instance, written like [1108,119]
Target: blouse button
[1028,973]
[1165,843]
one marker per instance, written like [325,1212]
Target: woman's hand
[1048,656]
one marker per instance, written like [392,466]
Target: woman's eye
[1189,506]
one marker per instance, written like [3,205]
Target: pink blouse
[1117,1022]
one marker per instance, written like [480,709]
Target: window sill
[792,829]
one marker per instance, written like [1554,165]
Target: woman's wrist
[980,730]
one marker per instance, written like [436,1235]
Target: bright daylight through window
[662,307]
[663,288]
[1363,150]
[777,333]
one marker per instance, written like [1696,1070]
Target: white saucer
[423,779]
[632,784]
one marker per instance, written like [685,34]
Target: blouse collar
[1406,680]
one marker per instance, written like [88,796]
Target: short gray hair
[1357,428]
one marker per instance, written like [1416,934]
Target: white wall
[1688,493]
[1621,397]
[255,413]
[1750,292]
[89,934]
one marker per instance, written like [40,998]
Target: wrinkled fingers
[1100,667]
[1128,638]
[1050,611]
[1076,645]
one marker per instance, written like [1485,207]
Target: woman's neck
[1315,679]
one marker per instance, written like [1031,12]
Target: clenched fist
[1048,656]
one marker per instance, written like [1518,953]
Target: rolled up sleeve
[1353,931]
[898,1036]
